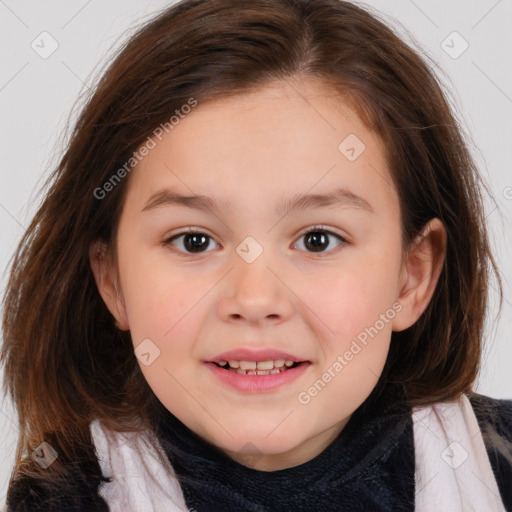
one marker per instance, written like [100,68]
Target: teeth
[257,368]
[265,365]
[258,372]
[248,372]
[260,365]
[248,365]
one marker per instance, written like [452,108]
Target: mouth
[256,371]
[257,376]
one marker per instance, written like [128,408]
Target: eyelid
[320,227]
[189,230]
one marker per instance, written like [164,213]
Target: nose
[255,293]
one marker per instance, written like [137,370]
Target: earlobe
[106,279]
[420,273]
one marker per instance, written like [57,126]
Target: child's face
[334,308]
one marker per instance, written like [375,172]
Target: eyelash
[311,229]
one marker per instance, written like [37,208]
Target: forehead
[288,137]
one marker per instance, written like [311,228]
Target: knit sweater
[368,467]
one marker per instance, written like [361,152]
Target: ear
[420,272]
[106,281]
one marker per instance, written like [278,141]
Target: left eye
[317,239]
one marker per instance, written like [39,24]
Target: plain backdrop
[470,43]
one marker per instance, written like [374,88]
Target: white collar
[453,472]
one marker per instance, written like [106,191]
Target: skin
[251,151]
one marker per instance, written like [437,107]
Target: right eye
[190,242]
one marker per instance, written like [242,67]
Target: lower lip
[257,383]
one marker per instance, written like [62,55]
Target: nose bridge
[253,280]
[255,292]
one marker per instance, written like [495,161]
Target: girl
[258,280]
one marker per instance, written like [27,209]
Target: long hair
[66,362]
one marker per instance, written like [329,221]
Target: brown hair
[66,363]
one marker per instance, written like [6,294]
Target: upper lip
[246,354]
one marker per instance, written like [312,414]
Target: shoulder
[30,494]
[494,418]
[493,414]
[73,489]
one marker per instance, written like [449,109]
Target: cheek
[356,305]
[158,298]
[163,306]
[352,298]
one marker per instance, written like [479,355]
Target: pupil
[194,242]
[317,240]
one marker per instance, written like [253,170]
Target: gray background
[37,95]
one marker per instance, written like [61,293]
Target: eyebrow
[338,198]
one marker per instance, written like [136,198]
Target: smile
[257,377]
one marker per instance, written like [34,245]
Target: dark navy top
[369,467]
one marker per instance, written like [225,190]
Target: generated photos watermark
[304,397]
[144,149]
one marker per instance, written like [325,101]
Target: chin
[256,442]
